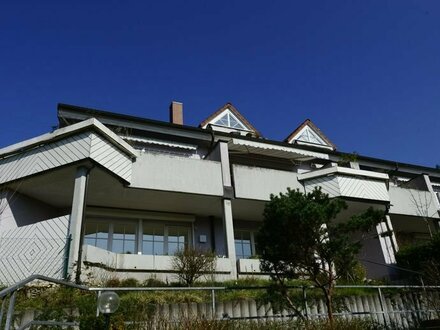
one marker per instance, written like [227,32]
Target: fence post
[2,309]
[213,302]
[306,307]
[382,306]
[97,308]
[10,311]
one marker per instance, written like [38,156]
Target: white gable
[308,135]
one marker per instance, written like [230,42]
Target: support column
[76,219]
[228,226]
[228,195]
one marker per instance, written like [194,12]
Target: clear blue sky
[366,72]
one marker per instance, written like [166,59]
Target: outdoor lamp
[108,303]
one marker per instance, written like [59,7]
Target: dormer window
[229,120]
[308,134]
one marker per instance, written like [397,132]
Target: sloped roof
[315,129]
[229,106]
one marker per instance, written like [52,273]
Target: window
[124,238]
[177,239]
[229,120]
[160,239]
[97,234]
[137,236]
[153,240]
[244,244]
[308,135]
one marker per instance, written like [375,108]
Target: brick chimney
[176,113]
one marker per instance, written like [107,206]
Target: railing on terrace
[388,305]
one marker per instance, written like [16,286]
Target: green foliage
[422,258]
[192,263]
[300,238]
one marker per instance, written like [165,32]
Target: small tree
[422,258]
[299,238]
[192,263]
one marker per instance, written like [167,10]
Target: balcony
[413,202]
[137,262]
[252,182]
[348,183]
[177,174]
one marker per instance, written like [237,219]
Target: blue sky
[366,72]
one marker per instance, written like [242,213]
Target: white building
[122,193]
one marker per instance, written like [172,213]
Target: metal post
[213,303]
[382,306]
[1,310]
[306,307]
[10,311]
[97,308]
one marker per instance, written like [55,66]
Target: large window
[162,239]
[137,236]
[244,244]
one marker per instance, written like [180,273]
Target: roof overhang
[89,124]
[87,140]
[271,150]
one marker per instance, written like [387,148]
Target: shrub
[191,263]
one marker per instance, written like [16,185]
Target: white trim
[342,170]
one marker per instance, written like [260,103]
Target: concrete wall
[173,173]
[102,264]
[258,183]
[412,202]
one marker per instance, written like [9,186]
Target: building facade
[119,195]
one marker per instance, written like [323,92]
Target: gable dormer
[228,119]
[308,134]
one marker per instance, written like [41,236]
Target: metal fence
[391,306]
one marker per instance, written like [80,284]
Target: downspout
[81,236]
[212,144]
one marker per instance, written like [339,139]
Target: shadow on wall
[19,210]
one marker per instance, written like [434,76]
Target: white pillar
[76,217]
[228,222]
[228,226]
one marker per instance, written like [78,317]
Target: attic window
[308,135]
[229,120]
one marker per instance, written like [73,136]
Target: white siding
[350,186]
[66,151]
[110,157]
[34,249]
[45,157]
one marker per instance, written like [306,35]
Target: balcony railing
[347,182]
